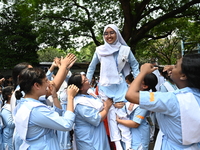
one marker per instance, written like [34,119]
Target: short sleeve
[163,102]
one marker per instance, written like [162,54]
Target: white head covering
[108,49]
[108,63]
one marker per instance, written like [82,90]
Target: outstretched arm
[127,123]
[92,67]
[66,64]
[132,94]
[54,65]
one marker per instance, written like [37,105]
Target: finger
[155,68]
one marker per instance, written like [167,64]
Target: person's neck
[31,96]
[182,85]
[85,93]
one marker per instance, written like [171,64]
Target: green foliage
[17,39]
[87,52]
[163,51]
[74,24]
[48,54]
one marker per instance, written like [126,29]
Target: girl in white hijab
[117,61]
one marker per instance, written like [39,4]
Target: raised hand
[72,90]
[68,61]
[147,68]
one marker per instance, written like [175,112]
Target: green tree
[190,36]
[48,54]
[163,51]
[72,24]
[87,52]
[17,39]
[139,19]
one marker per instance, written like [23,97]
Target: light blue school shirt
[1,129]
[8,129]
[42,125]
[164,89]
[64,137]
[141,134]
[167,109]
[49,75]
[90,133]
[115,91]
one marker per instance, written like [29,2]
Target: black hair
[27,78]
[16,71]
[76,79]
[191,68]
[6,92]
[129,77]
[151,81]
[7,82]
[93,83]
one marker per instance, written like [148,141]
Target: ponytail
[18,94]
[153,89]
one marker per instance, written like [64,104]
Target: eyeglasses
[109,33]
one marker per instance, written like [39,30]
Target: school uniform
[64,137]
[165,87]
[140,135]
[173,113]
[9,126]
[118,90]
[36,124]
[89,130]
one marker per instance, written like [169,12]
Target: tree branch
[158,37]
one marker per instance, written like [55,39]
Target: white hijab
[109,73]
[108,49]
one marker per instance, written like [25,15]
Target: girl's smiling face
[85,84]
[110,35]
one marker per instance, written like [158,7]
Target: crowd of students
[63,110]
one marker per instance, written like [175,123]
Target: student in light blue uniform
[117,61]
[140,129]
[89,130]
[7,118]
[35,122]
[64,137]
[141,134]
[138,123]
[167,86]
[67,62]
[177,112]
